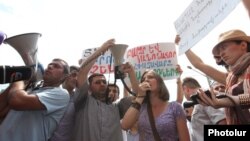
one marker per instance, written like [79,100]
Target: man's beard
[102,96]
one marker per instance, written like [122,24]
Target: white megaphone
[118,52]
[26,46]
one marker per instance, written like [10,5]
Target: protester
[114,92]
[157,118]
[35,113]
[96,117]
[64,128]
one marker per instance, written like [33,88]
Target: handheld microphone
[9,74]
[189,67]
[208,78]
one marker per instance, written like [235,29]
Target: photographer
[201,115]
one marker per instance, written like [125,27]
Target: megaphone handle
[127,88]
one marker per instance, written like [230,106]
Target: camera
[194,100]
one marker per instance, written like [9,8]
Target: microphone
[208,78]
[189,67]
[9,74]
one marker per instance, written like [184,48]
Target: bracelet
[244,100]
[136,105]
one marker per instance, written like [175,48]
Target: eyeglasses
[100,81]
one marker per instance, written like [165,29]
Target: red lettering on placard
[103,69]
[94,69]
[155,48]
[136,51]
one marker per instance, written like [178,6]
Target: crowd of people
[71,105]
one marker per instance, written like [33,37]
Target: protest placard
[199,18]
[103,64]
[160,57]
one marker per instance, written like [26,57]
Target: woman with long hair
[158,119]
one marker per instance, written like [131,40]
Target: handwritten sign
[200,17]
[161,57]
[102,64]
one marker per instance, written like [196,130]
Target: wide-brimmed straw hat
[230,35]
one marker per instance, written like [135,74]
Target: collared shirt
[96,120]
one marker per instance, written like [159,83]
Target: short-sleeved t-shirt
[36,125]
[165,123]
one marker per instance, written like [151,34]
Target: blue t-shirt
[36,125]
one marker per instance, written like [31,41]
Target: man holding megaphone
[11,74]
[34,114]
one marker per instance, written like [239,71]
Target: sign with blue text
[161,57]
[104,63]
[200,17]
